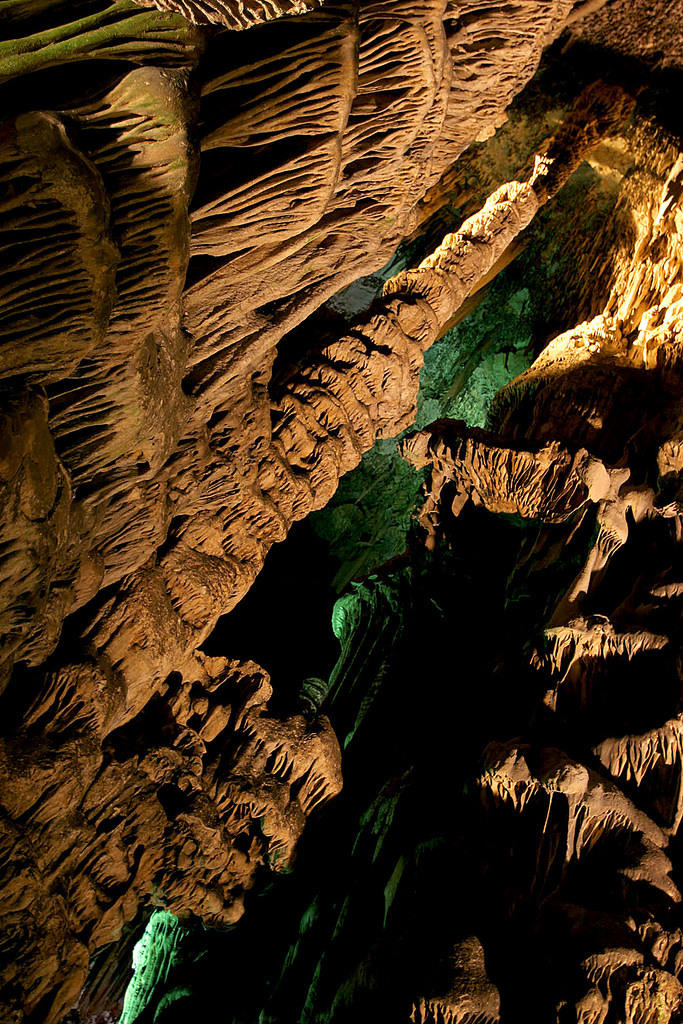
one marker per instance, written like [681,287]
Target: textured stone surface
[166,428]
[229,13]
[166,227]
[177,200]
[509,703]
[182,806]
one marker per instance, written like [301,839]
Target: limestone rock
[176,201]
[182,805]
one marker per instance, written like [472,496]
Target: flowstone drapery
[178,203]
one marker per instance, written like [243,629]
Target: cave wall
[506,846]
[178,200]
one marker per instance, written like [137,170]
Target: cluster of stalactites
[184,816]
[594,428]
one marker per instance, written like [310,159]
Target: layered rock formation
[509,701]
[176,200]
[179,806]
[153,365]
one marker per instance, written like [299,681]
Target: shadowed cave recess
[341,511]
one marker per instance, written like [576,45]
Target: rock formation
[178,201]
[543,883]
[509,702]
[180,805]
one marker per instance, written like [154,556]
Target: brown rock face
[166,423]
[514,695]
[175,200]
[232,15]
[181,805]
[570,443]
[149,461]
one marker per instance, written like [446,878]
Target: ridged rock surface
[176,200]
[234,15]
[509,699]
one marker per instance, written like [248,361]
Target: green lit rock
[465,369]
[153,958]
[367,522]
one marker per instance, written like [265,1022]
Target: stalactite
[177,199]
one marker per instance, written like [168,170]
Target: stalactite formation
[479,808]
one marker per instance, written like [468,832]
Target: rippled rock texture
[508,698]
[178,201]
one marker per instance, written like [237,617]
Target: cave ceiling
[341,511]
